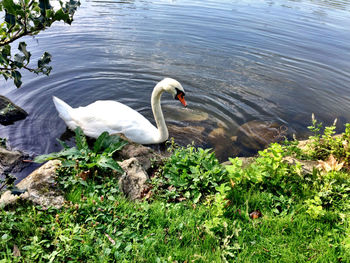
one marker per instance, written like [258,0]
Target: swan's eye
[179,93]
[180,96]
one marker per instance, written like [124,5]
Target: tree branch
[17,36]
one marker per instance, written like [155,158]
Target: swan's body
[115,117]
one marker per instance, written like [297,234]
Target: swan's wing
[113,117]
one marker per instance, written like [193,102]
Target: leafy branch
[28,17]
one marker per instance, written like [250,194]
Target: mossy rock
[10,112]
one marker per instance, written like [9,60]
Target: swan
[115,117]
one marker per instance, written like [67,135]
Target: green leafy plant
[269,171]
[86,161]
[217,204]
[325,143]
[303,217]
[28,17]
[190,173]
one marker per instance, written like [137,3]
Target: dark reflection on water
[238,61]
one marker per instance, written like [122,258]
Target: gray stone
[187,134]
[10,112]
[133,182]
[307,166]
[41,188]
[11,161]
[145,155]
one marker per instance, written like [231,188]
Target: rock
[257,135]
[185,114]
[188,134]
[306,165]
[133,182]
[11,161]
[41,188]
[145,155]
[222,144]
[218,132]
[9,112]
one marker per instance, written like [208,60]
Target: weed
[189,173]
[85,161]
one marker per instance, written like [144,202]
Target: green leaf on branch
[19,60]
[61,16]
[44,5]
[6,51]
[43,64]
[44,60]
[23,48]
[9,18]
[11,7]
[28,17]
[16,75]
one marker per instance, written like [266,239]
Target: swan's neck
[158,114]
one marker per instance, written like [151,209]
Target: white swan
[115,117]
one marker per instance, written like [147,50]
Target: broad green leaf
[3,60]
[23,48]
[19,60]
[6,51]
[100,142]
[116,147]
[68,163]
[63,144]
[10,18]
[6,75]
[108,144]
[44,60]
[80,139]
[17,78]
[60,15]
[57,155]
[107,162]
[44,5]
[10,7]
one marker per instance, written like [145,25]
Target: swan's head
[174,88]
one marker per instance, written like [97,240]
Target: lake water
[238,60]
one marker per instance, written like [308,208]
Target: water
[238,61]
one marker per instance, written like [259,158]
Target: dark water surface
[243,60]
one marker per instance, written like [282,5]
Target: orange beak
[182,99]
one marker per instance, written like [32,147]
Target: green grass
[141,232]
[202,216]
[163,232]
